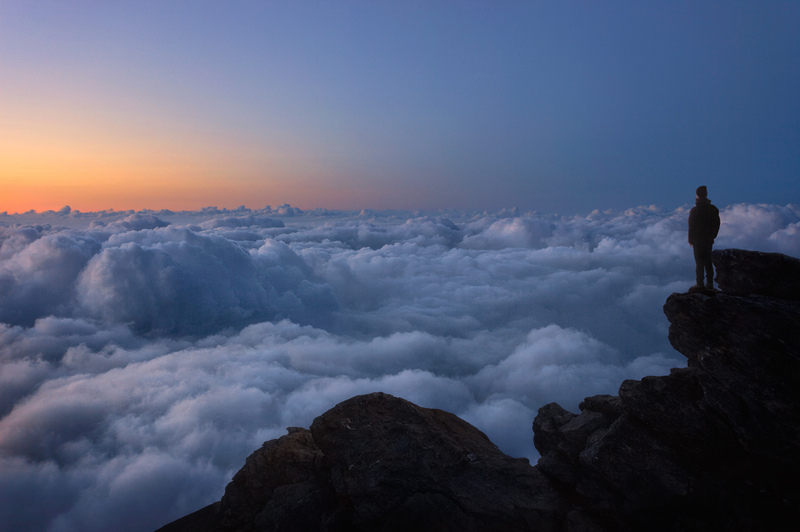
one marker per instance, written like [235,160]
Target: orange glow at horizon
[125,153]
[89,172]
[52,157]
[173,195]
[89,185]
[117,181]
[42,187]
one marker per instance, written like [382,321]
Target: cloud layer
[143,356]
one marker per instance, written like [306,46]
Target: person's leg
[699,264]
[704,266]
[709,269]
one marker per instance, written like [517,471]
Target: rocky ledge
[712,446]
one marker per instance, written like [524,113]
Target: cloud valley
[144,355]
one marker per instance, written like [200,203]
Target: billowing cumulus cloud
[144,355]
[241,221]
[39,278]
[155,277]
[133,222]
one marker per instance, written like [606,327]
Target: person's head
[702,192]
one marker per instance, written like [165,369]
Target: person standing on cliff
[703,229]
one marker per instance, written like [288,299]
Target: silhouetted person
[703,229]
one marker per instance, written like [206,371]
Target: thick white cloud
[157,278]
[241,221]
[143,356]
[39,278]
[132,222]
[510,233]
[760,227]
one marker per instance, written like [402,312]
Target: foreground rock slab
[378,462]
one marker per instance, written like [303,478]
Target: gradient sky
[559,107]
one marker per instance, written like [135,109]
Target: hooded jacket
[703,223]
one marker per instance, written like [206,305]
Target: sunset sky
[553,106]
[503,192]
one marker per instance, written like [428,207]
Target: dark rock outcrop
[377,462]
[712,446]
[741,272]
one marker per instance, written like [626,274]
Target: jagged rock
[284,485]
[741,272]
[712,446]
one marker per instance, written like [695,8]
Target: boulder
[378,462]
[741,272]
[403,467]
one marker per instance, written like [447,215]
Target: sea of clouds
[144,355]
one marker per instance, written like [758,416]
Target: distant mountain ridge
[713,446]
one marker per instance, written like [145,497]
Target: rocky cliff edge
[712,446]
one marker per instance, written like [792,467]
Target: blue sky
[560,107]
